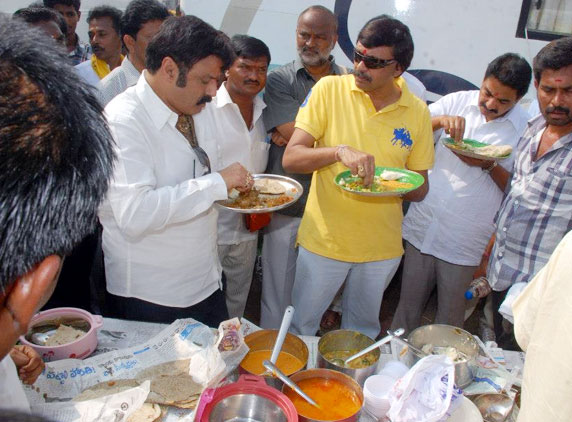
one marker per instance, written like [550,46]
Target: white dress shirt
[86,72]
[227,139]
[455,220]
[159,223]
[120,78]
[12,395]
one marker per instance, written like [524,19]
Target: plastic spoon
[282,377]
[386,339]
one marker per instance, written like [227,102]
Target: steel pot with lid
[247,400]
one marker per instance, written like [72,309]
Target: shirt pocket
[259,156]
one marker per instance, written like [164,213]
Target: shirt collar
[159,113]
[129,69]
[223,98]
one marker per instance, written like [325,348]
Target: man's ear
[33,289]
[170,68]
[129,43]
[536,84]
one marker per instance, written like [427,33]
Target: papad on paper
[183,345]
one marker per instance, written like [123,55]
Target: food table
[118,334]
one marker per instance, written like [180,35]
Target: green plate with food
[388,181]
[476,149]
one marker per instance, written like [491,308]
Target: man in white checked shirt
[537,211]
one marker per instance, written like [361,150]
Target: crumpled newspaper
[426,393]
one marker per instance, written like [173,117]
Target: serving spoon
[397,333]
[282,377]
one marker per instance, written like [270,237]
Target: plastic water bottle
[478,288]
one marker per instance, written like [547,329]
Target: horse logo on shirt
[306,99]
[402,136]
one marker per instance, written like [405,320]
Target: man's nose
[211,88]
[361,66]
[491,103]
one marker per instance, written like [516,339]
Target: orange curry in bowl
[286,362]
[336,400]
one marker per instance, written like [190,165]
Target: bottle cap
[469,295]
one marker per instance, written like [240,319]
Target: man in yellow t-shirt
[356,121]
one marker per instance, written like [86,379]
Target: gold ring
[360,168]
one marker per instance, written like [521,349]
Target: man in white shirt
[52,180]
[232,130]
[140,21]
[159,222]
[446,233]
[105,40]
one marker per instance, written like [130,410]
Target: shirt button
[500,254]
[504,229]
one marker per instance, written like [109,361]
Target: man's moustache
[251,82]
[551,109]
[490,110]
[204,100]
[362,75]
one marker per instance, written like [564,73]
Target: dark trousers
[211,311]
[505,338]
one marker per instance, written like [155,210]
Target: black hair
[511,70]
[385,31]
[107,12]
[249,47]
[555,55]
[34,15]
[138,13]
[322,9]
[187,40]
[55,149]
[76,4]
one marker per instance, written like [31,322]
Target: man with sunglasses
[356,122]
[446,233]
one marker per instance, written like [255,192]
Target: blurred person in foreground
[543,329]
[356,122]
[159,222]
[78,51]
[231,128]
[537,211]
[105,40]
[139,23]
[57,159]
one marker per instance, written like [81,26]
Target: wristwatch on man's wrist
[490,168]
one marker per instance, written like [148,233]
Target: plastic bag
[426,393]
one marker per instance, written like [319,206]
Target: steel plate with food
[271,192]
[475,149]
[388,181]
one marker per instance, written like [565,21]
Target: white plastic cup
[394,369]
[375,392]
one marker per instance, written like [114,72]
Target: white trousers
[238,265]
[278,268]
[319,278]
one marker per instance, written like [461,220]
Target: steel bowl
[328,374]
[340,340]
[441,335]
[264,340]
[495,407]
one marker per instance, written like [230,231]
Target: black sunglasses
[371,62]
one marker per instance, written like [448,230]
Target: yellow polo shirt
[341,225]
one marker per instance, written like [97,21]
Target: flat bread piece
[64,335]
[494,150]
[146,413]
[171,384]
[269,186]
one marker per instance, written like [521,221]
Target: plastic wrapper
[426,393]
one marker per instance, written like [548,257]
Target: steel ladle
[282,377]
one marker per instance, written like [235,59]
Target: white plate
[293,189]
[466,412]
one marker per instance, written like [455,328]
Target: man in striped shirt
[537,211]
